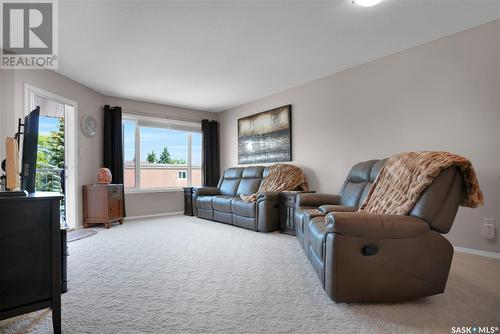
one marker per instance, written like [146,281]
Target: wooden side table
[288,200]
[102,204]
[188,201]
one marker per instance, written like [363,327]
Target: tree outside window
[50,159]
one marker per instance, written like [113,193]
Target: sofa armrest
[268,195]
[378,226]
[205,191]
[337,208]
[268,212]
[316,200]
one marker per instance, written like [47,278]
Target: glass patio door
[56,157]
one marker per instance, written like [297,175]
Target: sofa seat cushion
[337,208]
[222,203]
[241,208]
[204,202]
[317,229]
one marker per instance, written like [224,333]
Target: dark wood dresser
[30,256]
[288,199]
[102,204]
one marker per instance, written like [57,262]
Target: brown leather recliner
[362,257]
[223,203]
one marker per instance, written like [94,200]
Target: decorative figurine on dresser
[103,202]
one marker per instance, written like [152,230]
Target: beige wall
[140,204]
[154,203]
[443,95]
[6,107]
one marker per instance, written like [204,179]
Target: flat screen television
[30,149]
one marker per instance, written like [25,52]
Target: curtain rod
[174,118]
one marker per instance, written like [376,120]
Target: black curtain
[113,144]
[211,162]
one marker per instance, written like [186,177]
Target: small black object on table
[188,201]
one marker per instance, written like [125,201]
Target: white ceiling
[216,55]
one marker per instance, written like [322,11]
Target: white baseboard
[155,215]
[478,252]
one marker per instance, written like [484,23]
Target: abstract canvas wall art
[266,136]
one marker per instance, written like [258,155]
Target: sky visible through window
[153,139]
[48,124]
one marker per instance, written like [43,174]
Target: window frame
[161,123]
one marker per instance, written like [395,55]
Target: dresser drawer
[115,193]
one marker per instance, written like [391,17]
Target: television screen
[30,148]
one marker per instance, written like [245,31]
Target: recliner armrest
[337,208]
[315,200]
[379,226]
[205,191]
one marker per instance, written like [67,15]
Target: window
[160,154]
[128,126]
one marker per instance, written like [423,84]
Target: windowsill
[153,190]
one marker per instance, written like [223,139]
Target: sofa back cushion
[251,179]
[230,181]
[438,204]
[376,168]
[356,182]
[242,180]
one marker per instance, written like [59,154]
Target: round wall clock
[89,126]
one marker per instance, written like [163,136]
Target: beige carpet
[185,275]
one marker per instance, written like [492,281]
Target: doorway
[57,143]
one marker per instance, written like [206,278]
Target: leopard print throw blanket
[282,177]
[406,175]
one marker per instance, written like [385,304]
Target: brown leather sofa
[223,203]
[361,257]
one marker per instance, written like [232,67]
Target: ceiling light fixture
[366,3]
